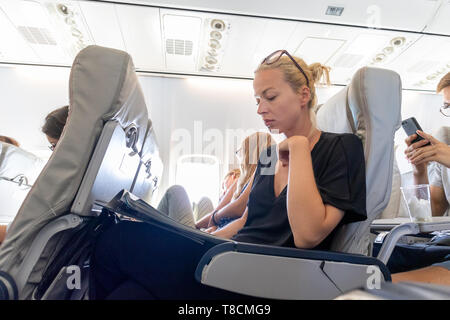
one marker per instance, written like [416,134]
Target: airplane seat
[370,108]
[96,157]
[18,171]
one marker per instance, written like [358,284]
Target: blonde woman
[228,187]
[301,191]
[229,182]
[248,155]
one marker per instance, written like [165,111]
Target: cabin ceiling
[229,38]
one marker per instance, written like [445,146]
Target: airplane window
[200,176]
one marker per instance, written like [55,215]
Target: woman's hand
[285,146]
[211,229]
[419,155]
[203,222]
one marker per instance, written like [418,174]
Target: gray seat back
[370,108]
[150,169]
[97,151]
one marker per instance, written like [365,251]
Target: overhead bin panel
[103,24]
[275,36]
[181,39]
[411,15]
[245,36]
[141,32]
[440,24]
[55,31]
[13,47]
[424,63]
[346,49]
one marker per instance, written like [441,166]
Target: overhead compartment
[424,63]
[54,31]
[440,23]
[411,15]
[141,31]
[103,24]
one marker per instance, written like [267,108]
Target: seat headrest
[370,108]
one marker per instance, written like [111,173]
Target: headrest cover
[103,87]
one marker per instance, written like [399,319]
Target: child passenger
[302,191]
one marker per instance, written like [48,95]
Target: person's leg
[204,206]
[432,274]
[176,205]
[160,262]
[438,273]
[130,290]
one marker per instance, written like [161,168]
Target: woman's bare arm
[310,219]
[232,228]
[236,208]
[205,221]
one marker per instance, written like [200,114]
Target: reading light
[213,43]
[215,35]
[398,41]
[218,25]
[210,60]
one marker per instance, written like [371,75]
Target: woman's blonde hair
[252,146]
[316,73]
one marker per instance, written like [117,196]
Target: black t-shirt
[339,172]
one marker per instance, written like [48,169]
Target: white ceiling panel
[245,36]
[33,24]
[55,31]
[13,46]
[318,49]
[412,15]
[103,24]
[440,24]
[141,31]
[181,40]
[203,42]
[424,63]
[276,36]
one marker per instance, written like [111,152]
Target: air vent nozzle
[37,35]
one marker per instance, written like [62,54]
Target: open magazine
[128,205]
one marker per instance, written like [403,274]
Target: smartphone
[410,126]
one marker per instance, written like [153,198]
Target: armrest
[399,229]
[285,273]
[62,223]
[436,224]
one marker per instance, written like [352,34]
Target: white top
[439,176]
[15,163]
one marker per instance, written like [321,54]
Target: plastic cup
[417,199]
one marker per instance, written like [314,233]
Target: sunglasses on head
[275,56]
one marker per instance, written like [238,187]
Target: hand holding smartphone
[410,126]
